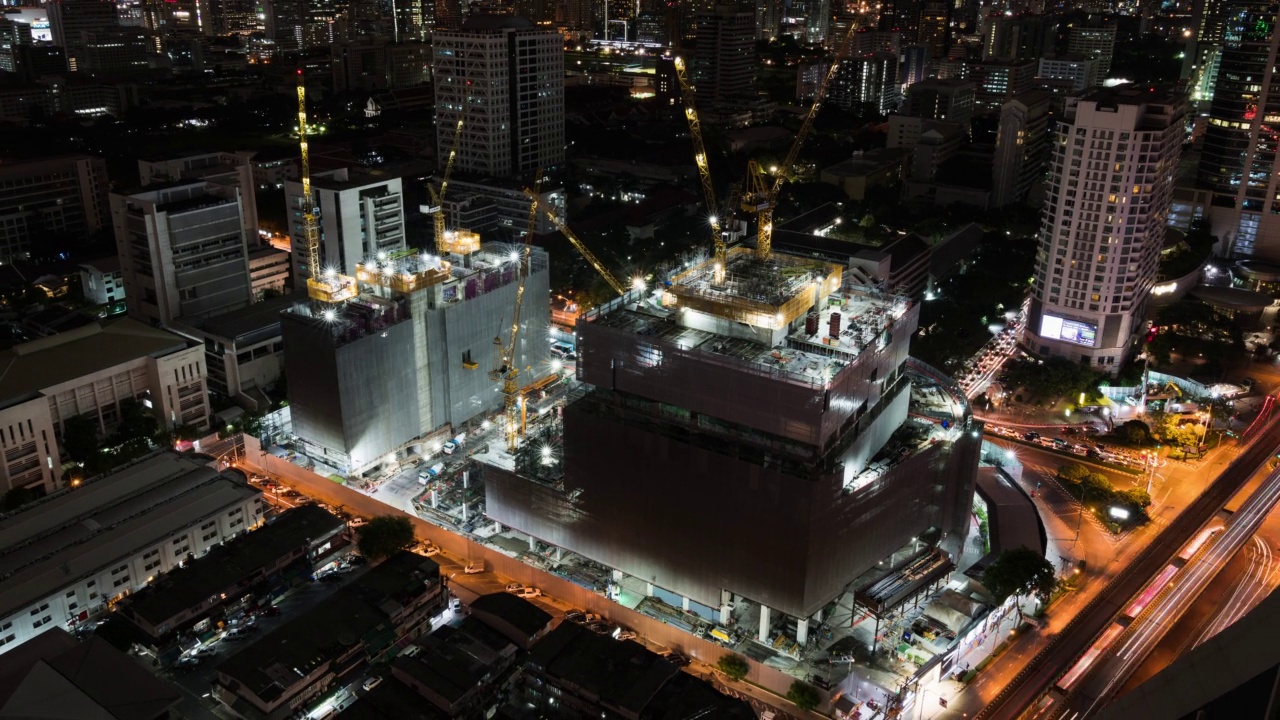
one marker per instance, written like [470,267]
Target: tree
[1136,432]
[1021,571]
[734,667]
[1074,473]
[1180,435]
[80,437]
[1097,485]
[804,695]
[1138,497]
[383,536]
[16,498]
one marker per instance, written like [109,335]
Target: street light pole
[1084,493]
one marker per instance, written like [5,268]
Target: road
[1114,666]
[1175,527]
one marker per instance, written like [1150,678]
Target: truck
[431,473]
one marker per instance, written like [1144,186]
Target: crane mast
[444,243]
[578,245]
[507,370]
[761,196]
[704,169]
[328,286]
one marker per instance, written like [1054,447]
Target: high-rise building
[374,65]
[931,30]
[867,80]
[1071,74]
[116,51]
[222,168]
[1238,161]
[504,77]
[724,66]
[183,250]
[410,354]
[69,20]
[999,80]
[1098,42]
[951,100]
[64,196]
[1111,183]
[360,216]
[13,35]
[1019,37]
[1022,145]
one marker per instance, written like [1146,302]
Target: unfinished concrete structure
[747,440]
[411,353]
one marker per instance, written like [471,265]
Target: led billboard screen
[1072,331]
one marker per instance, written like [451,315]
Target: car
[576,616]
[371,683]
[529,592]
[455,605]
[679,659]
[514,587]
[356,522]
[450,447]
[187,664]
[206,651]
[430,549]
[621,633]
[601,628]
[270,611]
[232,636]
[358,560]
[332,577]
[474,567]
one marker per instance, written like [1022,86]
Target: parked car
[332,577]
[430,549]
[356,522]
[372,683]
[450,447]
[679,659]
[621,633]
[602,628]
[271,611]
[529,592]
[206,651]
[576,616]
[455,605]
[514,587]
[474,567]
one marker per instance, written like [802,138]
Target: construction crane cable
[581,247]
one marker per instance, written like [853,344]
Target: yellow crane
[704,169]
[507,368]
[437,197]
[577,244]
[328,286]
[761,195]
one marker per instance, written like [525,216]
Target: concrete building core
[764,427]
[369,378]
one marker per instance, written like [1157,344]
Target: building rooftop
[228,564]
[34,366]
[78,532]
[621,674]
[105,265]
[258,319]
[454,660]
[521,614]
[497,22]
[54,676]
[869,162]
[392,701]
[685,696]
[281,658]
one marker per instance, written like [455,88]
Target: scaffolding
[768,294]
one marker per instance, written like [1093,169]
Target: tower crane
[704,170]
[577,243]
[761,196]
[329,286]
[507,366]
[437,197]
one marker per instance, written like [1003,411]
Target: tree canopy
[734,667]
[384,536]
[1053,378]
[804,695]
[1021,571]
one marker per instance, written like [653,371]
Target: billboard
[1053,327]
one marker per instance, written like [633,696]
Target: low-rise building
[519,620]
[89,371]
[457,667]
[280,673]
[250,568]
[72,554]
[268,270]
[101,280]
[64,196]
[874,168]
[244,351]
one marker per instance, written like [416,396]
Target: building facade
[64,196]
[1074,73]
[724,66]
[951,99]
[1022,147]
[183,250]
[221,168]
[867,80]
[1111,185]
[504,78]
[70,20]
[77,553]
[102,281]
[1095,42]
[360,216]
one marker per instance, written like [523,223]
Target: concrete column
[464,512]
[617,576]
[559,553]
[648,589]
[726,598]
[764,624]
[817,617]
[435,499]
[533,545]
[464,479]
[684,604]
[497,527]
[802,630]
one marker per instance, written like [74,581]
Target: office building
[89,371]
[504,77]
[101,280]
[367,620]
[248,569]
[1238,161]
[510,206]
[361,215]
[1019,37]
[913,64]
[223,168]
[775,402]
[268,271]
[244,351]
[368,65]
[183,250]
[724,65]
[71,20]
[951,100]
[999,80]
[1071,74]
[80,551]
[1111,182]
[1095,42]
[14,35]
[410,354]
[867,80]
[1022,147]
[58,196]
[931,30]
[116,51]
